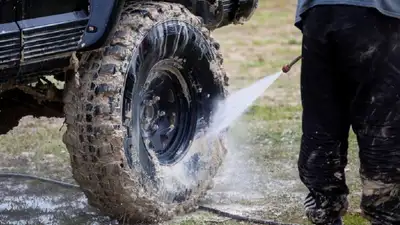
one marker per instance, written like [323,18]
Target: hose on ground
[203,208]
[241,218]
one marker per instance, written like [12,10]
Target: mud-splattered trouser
[350,77]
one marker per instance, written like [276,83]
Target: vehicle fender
[104,15]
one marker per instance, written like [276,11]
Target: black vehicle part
[32,37]
[15,104]
[130,155]
[104,15]
[26,44]
[164,102]
[45,37]
[245,11]
[31,9]
[235,11]
[7,11]
[219,13]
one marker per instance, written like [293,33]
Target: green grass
[36,147]
[268,113]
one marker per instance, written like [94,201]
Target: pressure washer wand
[286,68]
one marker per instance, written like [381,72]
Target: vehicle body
[37,40]
[130,71]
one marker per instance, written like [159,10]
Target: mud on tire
[137,112]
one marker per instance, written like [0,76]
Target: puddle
[31,202]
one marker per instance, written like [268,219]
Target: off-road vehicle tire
[162,70]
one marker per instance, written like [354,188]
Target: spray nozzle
[286,68]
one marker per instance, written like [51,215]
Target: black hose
[241,218]
[204,208]
[33,177]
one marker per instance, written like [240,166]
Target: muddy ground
[259,177]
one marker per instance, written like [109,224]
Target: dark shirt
[387,7]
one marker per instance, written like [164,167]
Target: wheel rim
[165,113]
[179,56]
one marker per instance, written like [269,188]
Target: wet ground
[32,202]
[245,185]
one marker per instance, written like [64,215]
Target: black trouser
[350,76]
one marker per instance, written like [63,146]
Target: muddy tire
[137,112]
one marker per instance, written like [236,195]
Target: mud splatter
[369,52]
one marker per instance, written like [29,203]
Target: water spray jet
[238,102]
